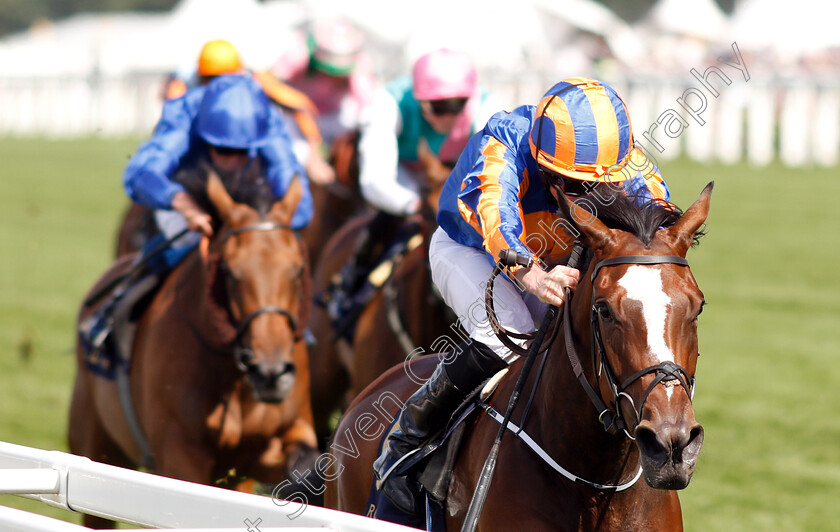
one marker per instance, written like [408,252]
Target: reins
[613,420]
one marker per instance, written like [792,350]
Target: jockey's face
[442,114]
[228,160]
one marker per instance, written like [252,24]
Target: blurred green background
[768,385]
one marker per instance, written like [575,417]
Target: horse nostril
[651,446]
[288,367]
[691,449]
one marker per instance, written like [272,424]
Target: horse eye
[702,305]
[603,311]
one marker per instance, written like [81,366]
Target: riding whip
[510,258]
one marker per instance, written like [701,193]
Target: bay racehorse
[635,310]
[403,319]
[218,372]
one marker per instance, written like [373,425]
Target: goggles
[449,106]
[569,186]
[229,152]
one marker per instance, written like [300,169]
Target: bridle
[614,419]
[244,355]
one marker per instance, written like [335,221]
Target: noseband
[243,355]
[614,419]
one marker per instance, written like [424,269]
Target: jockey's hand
[318,170]
[197,219]
[548,286]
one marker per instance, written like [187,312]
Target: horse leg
[87,437]
[184,459]
[289,463]
[329,378]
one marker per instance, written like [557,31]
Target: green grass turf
[60,203]
[767,386]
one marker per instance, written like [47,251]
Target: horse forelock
[639,217]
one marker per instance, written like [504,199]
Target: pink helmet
[444,74]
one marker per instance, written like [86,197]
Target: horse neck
[566,419]
[193,301]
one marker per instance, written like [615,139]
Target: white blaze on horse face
[644,284]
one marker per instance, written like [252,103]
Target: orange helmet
[217,58]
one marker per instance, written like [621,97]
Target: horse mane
[634,214]
[248,186]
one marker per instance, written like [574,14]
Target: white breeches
[172,222]
[461,273]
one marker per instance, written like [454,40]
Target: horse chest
[236,418]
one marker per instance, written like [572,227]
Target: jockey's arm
[379,158]
[301,108]
[148,176]
[500,219]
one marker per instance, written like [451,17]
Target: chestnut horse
[403,319]
[219,374]
[334,204]
[635,309]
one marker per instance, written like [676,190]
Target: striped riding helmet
[582,130]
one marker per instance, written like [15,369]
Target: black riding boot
[426,413]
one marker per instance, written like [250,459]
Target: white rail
[81,485]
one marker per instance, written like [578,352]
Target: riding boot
[377,238]
[426,413]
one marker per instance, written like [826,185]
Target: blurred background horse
[218,374]
[404,313]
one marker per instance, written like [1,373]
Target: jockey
[503,194]
[328,65]
[442,104]
[227,122]
[220,57]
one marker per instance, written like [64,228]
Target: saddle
[107,335]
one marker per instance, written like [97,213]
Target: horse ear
[218,195]
[592,231]
[285,208]
[686,227]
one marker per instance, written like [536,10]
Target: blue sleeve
[148,176]
[489,197]
[282,166]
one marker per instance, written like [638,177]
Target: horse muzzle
[272,382]
[669,453]
[273,385]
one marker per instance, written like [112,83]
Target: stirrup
[381,481]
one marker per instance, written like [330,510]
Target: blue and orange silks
[494,198]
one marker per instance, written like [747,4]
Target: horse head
[640,303]
[259,277]
[435,173]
